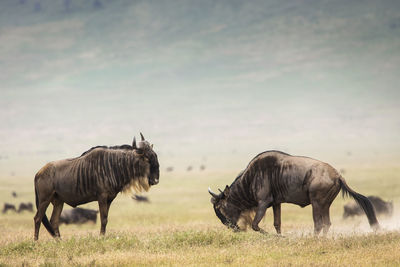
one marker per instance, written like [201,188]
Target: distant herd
[270,179]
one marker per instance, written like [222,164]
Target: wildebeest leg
[326,220]
[329,197]
[277,217]
[317,217]
[261,208]
[39,216]
[104,206]
[55,216]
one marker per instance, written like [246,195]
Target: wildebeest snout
[154,181]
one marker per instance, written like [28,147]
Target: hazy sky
[208,82]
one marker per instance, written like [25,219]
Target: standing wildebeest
[7,207]
[99,174]
[274,177]
[78,216]
[380,206]
[25,206]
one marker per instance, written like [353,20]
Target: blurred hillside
[210,83]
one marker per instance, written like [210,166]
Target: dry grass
[179,228]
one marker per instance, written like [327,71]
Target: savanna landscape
[211,84]
[179,227]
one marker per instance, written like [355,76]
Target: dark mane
[251,165]
[269,151]
[110,167]
[240,193]
[238,177]
[125,147]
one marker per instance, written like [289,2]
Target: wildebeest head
[225,211]
[145,150]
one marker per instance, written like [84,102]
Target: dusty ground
[178,227]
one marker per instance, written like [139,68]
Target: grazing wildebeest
[381,207]
[139,198]
[274,177]
[99,174]
[78,216]
[25,206]
[8,206]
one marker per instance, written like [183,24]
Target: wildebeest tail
[362,201]
[45,220]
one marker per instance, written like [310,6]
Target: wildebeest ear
[226,191]
[134,143]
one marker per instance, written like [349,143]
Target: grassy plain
[178,227]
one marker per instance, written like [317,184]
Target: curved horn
[212,193]
[134,143]
[141,135]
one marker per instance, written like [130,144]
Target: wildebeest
[25,206]
[139,198]
[381,207]
[7,207]
[78,216]
[14,194]
[99,174]
[274,177]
